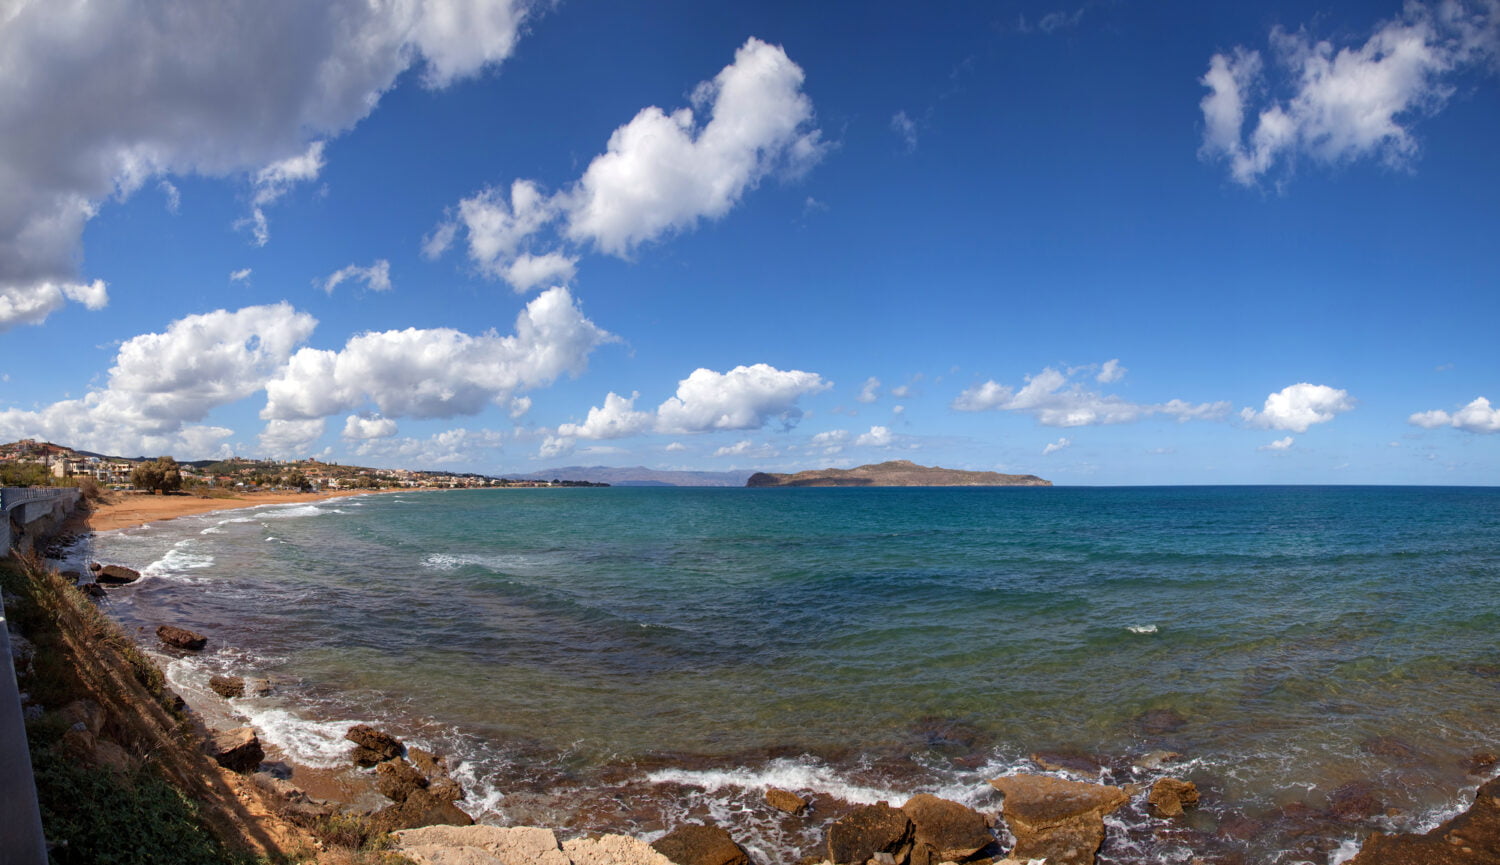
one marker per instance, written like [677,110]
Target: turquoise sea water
[629,658]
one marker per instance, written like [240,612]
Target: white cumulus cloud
[1280,444]
[877,437]
[1345,102]
[617,418]
[1110,372]
[368,426]
[1476,417]
[233,88]
[1054,400]
[1054,447]
[438,372]
[660,173]
[746,397]
[162,385]
[1297,407]
[870,390]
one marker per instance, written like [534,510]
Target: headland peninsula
[894,473]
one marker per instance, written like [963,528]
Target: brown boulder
[398,780]
[374,745]
[237,750]
[1060,821]
[694,844]
[92,590]
[227,686]
[952,832]
[1170,795]
[784,800]
[181,638]
[855,838]
[420,809]
[1471,838]
[116,575]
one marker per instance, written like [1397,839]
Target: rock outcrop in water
[895,473]
[1057,820]
[1471,838]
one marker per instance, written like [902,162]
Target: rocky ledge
[896,473]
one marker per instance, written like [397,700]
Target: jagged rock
[95,567]
[951,831]
[227,686]
[1060,821]
[420,809]
[295,803]
[612,850]
[1170,795]
[237,750]
[374,745]
[855,838]
[72,576]
[92,590]
[257,687]
[785,800]
[1471,838]
[695,844]
[429,764]
[463,845]
[398,780]
[181,638]
[84,714]
[116,575]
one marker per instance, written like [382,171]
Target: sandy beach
[125,510]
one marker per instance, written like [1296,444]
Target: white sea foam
[1141,629]
[798,775]
[320,744]
[451,562]
[289,512]
[1346,851]
[178,559]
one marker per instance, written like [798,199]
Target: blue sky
[1103,243]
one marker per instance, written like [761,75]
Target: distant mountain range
[638,476]
[896,473]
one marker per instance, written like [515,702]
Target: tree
[159,474]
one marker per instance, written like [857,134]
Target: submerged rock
[237,750]
[1170,795]
[858,836]
[696,844]
[1357,800]
[949,831]
[181,638]
[1057,820]
[1155,722]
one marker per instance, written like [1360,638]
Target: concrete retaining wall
[32,514]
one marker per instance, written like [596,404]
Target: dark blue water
[695,645]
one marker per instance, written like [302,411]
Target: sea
[1322,662]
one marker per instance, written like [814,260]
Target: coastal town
[29,462]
